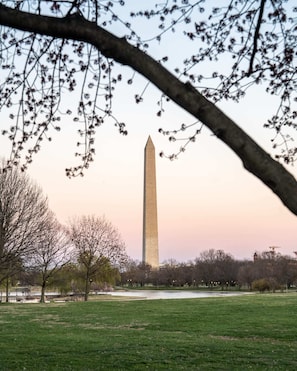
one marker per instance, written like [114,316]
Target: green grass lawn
[256,332]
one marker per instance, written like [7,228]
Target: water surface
[173,294]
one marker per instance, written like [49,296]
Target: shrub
[261,285]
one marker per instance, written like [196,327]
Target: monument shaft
[150,253]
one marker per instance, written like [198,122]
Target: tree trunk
[87,287]
[42,297]
[2,235]
[7,290]
[75,27]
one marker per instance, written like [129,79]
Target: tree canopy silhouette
[50,47]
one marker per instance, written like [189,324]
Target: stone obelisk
[150,249]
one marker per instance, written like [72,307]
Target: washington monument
[150,250]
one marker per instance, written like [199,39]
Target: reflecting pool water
[135,294]
[173,294]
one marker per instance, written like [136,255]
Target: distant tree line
[212,270]
[217,269]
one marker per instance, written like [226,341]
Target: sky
[206,199]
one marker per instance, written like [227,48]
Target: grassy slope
[255,332]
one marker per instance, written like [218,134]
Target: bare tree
[258,39]
[96,240]
[246,274]
[217,268]
[23,211]
[51,252]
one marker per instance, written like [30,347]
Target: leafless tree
[57,41]
[246,274]
[279,270]
[23,211]
[217,268]
[95,240]
[51,252]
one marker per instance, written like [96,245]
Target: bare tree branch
[254,158]
[256,36]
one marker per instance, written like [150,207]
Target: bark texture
[254,158]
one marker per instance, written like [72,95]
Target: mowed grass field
[257,332]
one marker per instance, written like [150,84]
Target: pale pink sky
[205,198]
